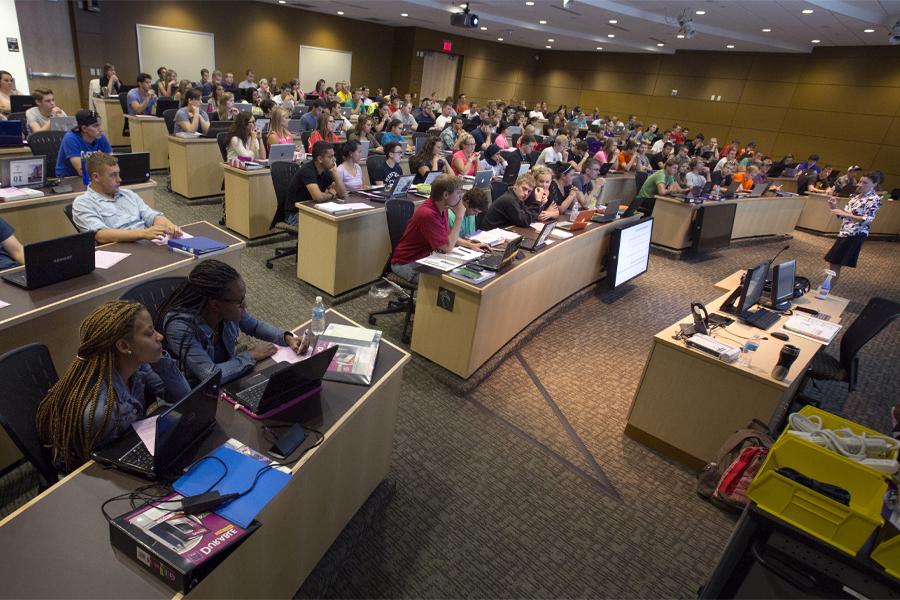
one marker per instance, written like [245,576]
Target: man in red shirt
[427,230]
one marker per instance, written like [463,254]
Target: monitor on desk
[629,252]
[749,292]
[712,227]
[782,290]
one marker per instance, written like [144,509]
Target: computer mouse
[780,336]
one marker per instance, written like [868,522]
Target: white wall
[14,62]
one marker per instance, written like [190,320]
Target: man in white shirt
[249,81]
[445,117]
[658,144]
[536,112]
[38,117]
[555,153]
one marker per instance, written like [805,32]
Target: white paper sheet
[3,304]
[104,259]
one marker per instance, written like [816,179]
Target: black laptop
[11,133]
[279,383]
[21,102]
[178,428]
[537,240]
[52,261]
[496,260]
[134,167]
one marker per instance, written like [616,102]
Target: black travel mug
[789,354]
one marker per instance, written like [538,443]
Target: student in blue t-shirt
[141,99]
[12,254]
[81,143]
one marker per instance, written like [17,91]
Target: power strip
[704,343]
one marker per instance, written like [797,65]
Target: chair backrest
[169,116]
[378,136]
[222,140]
[514,138]
[373,161]
[535,154]
[26,375]
[282,174]
[304,141]
[123,102]
[639,179]
[164,104]
[67,209]
[153,293]
[398,212]
[875,316]
[498,188]
[895,194]
[46,143]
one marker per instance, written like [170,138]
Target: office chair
[123,102]
[282,174]
[498,188]
[222,140]
[153,293]
[164,104]
[169,116]
[398,213]
[213,116]
[804,180]
[895,194]
[513,139]
[67,209]
[533,156]
[304,141]
[373,162]
[26,375]
[419,134]
[46,144]
[877,314]
[378,136]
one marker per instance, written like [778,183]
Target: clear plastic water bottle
[825,286]
[576,208]
[750,346]
[318,317]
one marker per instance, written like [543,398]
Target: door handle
[32,74]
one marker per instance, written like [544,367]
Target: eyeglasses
[242,302]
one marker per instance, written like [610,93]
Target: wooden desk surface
[10,151]
[191,140]
[78,188]
[145,118]
[63,527]
[310,207]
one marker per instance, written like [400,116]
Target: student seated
[427,230]
[324,131]
[120,370]
[589,183]
[38,117]
[556,153]
[465,159]
[225,108]
[522,154]
[203,318]
[116,214]
[12,253]
[697,172]
[190,117]
[451,133]
[660,183]
[476,202]
[349,171]
[493,161]
[810,164]
[394,133]
[823,179]
[244,141]
[562,193]
[429,158]
[278,128]
[389,171]
[316,180]
[510,208]
[141,99]
[80,143]
[363,131]
[109,83]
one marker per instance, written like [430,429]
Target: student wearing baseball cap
[80,143]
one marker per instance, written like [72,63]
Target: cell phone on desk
[288,442]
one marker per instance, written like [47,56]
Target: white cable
[843,441]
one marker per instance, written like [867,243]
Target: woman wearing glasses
[203,318]
[244,141]
[324,131]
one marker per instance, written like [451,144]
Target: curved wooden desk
[817,218]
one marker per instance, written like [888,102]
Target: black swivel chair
[282,174]
[646,207]
[498,188]
[169,116]
[513,139]
[26,375]
[533,156]
[877,314]
[123,102]
[378,136]
[153,293]
[67,209]
[373,161]
[398,212]
[304,141]
[222,140]
[46,144]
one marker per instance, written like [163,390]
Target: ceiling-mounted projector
[894,38]
[466,19]
[686,27]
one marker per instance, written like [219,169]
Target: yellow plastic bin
[844,527]
[887,554]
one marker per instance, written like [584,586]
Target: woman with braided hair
[119,370]
[203,318]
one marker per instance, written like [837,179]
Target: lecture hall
[445,299]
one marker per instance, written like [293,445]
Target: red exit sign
[447,46]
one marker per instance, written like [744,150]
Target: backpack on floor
[724,482]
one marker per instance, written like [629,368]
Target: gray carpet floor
[524,485]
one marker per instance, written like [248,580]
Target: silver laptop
[513,130]
[420,141]
[244,107]
[523,168]
[62,123]
[262,125]
[432,175]
[363,149]
[281,153]
[294,126]
[401,186]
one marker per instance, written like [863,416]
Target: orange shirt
[745,181]
[624,159]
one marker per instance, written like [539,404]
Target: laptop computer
[21,102]
[513,130]
[420,142]
[262,125]
[295,126]
[609,214]
[604,168]
[396,190]
[495,261]
[62,123]
[52,261]
[281,153]
[732,189]
[10,133]
[759,189]
[134,167]
[483,179]
[177,429]
[279,383]
[244,107]
[22,172]
[432,175]
[789,173]
[537,241]
[580,222]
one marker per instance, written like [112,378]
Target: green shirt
[468,224]
[648,190]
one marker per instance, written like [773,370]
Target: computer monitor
[782,291]
[752,288]
[712,227]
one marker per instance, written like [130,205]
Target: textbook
[179,549]
[197,245]
[357,352]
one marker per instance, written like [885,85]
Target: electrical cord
[843,441]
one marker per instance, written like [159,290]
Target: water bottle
[576,208]
[750,346]
[825,286]
[318,317]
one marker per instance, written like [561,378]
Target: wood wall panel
[613,81]
[763,138]
[759,117]
[866,128]
[705,64]
[777,67]
[888,159]
[853,99]
[699,88]
[768,93]
[831,151]
[615,102]
[892,135]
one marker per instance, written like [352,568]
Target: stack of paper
[811,327]
[14,193]
[334,208]
[494,236]
[447,261]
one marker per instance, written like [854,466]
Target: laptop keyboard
[761,319]
[251,396]
[139,457]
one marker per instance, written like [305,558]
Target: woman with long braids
[119,370]
[203,318]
